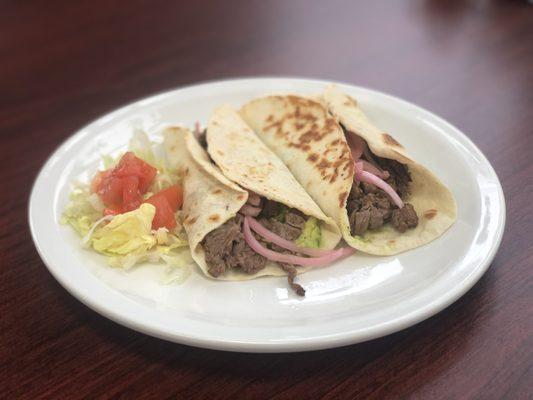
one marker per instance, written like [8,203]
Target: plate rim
[287,344]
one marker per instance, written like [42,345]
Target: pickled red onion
[375,170]
[287,258]
[250,210]
[286,244]
[365,176]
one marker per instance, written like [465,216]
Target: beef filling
[289,229]
[291,271]
[404,218]
[370,208]
[225,247]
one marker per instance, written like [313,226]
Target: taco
[383,201]
[247,221]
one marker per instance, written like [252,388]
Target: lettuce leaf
[126,233]
[83,210]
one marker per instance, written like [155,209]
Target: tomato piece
[98,179]
[110,191]
[131,196]
[130,165]
[121,188]
[174,195]
[164,215]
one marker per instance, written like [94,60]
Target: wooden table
[65,63]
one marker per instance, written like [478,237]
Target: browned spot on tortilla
[270,118]
[220,152]
[391,242]
[298,102]
[312,157]
[308,117]
[323,164]
[388,139]
[214,218]
[298,126]
[429,214]
[342,198]
[241,196]
[274,125]
[217,191]
[331,124]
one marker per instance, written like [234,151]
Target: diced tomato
[110,191]
[131,196]
[174,195]
[98,179]
[121,188]
[129,165]
[164,215]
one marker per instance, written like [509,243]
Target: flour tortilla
[245,160]
[210,199]
[306,135]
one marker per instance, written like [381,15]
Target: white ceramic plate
[357,299]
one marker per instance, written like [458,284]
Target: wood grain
[65,63]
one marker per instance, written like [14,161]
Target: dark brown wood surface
[62,64]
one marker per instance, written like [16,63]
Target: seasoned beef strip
[399,175]
[271,208]
[295,219]
[291,271]
[370,208]
[225,248]
[218,244]
[282,229]
[404,218]
[242,256]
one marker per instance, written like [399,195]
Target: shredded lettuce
[127,239]
[311,234]
[108,161]
[126,233]
[141,146]
[83,210]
